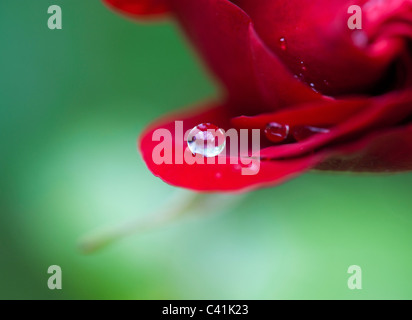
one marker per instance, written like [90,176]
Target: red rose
[324,96]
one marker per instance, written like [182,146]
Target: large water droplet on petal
[304,132]
[277,132]
[207,140]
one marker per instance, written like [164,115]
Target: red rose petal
[322,48]
[220,31]
[255,78]
[277,85]
[217,177]
[329,113]
[383,112]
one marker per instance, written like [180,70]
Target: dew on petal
[304,132]
[360,39]
[312,86]
[207,140]
[300,77]
[283,44]
[277,132]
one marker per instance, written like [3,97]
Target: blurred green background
[73,102]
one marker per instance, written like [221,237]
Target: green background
[73,102]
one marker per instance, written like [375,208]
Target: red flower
[337,99]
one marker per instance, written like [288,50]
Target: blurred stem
[181,204]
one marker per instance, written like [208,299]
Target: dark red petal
[139,8]
[218,177]
[224,35]
[331,112]
[318,44]
[368,114]
[386,151]
[277,85]
[220,32]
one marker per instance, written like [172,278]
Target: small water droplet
[207,140]
[303,67]
[300,77]
[312,86]
[360,39]
[277,132]
[304,132]
[283,44]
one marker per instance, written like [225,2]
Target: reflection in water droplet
[277,132]
[304,132]
[283,44]
[207,140]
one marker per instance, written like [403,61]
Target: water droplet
[300,77]
[277,132]
[360,39]
[283,44]
[312,86]
[304,132]
[207,140]
[303,67]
